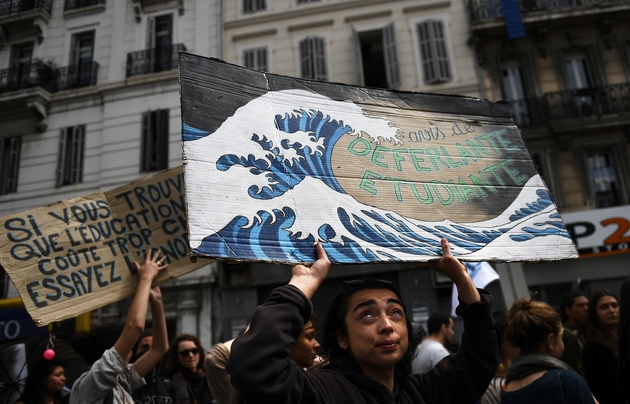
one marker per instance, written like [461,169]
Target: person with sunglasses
[367,346]
[185,368]
[537,375]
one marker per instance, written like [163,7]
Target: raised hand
[456,271]
[153,264]
[308,279]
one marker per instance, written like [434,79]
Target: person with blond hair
[536,374]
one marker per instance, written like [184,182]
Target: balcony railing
[153,60]
[70,5]
[13,7]
[488,9]
[76,76]
[25,76]
[582,103]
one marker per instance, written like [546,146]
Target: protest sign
[274,164]
[77,255]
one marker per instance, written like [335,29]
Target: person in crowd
[303,352]
[508,353]
[184,367]
[624,337]
[157,389]
[104,348]
[433,348]
[574,314]
[536,374]
[367,345]
[45,383]
[601,352]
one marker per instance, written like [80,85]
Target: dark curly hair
[172,361]
[93,344]
[335,324]
[35,386]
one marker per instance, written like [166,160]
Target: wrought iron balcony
[70,5]
[153,60]
[589,102]
[13,7]
[77,76]
[584,103]
[489,9]
[25,76]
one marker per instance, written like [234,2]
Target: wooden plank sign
[274,164]
[77,255]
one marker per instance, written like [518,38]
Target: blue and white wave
[277,174]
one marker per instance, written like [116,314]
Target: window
[313,58]
[376,58]
[81,58]
[155,131]
[10,148]
[580,83]
[20,72]
[252,6]
[256,59]
[512,79]
[605,182]
[160,41]
[71,151]
[434,56]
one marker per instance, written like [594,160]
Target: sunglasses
[187,352]
[351,286]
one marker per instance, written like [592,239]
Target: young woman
[105,348]
[537,375]
[601,353]
[185,368]
[45,383]
[367,346]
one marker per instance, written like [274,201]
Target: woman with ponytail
[537,375]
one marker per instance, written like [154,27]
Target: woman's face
[557,346]
[377,335]
[607,308]
[304,351]
[56,380]
[188,355]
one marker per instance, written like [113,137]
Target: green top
[572,354]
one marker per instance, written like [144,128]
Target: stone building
[89,100]
[565,68]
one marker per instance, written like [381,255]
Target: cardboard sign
[77,255]
[274,164]
[600,232]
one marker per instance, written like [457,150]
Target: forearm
[160,335]
[136,317]
[467,290]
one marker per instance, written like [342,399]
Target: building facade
[565,68]
[89,100]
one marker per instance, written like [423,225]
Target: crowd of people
[369,351]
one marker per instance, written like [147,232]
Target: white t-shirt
[429,354]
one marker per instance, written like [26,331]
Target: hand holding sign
[456,271]
[153,264]
[308,279]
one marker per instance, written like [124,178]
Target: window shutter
[162,139]
[358,58]
[305,58]
[435,62]
[392,67]
[79,151]
[144,158]
[320,59]
[262,59]
[61,157]
[13,165]
[150,40]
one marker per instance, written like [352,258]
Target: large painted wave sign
[274,164]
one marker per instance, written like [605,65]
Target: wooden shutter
[262,59]
[358,58]
[392,67]
[162,128]
[144,151]
[305,59]
[319,48]
[13,166]
[78,151]
[61,157]
[433,52]
[150,39]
